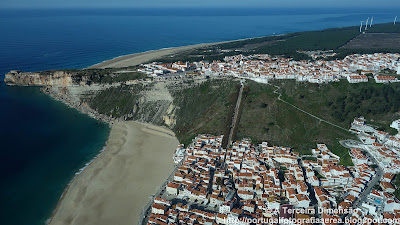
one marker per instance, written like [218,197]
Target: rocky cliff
[111,95]
[54,78]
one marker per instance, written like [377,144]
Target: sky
[195,3]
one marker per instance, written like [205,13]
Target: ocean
[43,143]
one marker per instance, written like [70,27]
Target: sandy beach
[116,186]
[144,57]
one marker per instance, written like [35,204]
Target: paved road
[352,144]
[376,178]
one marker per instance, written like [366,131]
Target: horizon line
[200,7]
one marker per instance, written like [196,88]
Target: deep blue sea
[43,143]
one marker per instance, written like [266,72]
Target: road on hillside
[235,113]
[375,180]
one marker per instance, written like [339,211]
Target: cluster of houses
[262,68]
[383,147]
[213,185]
[380,207]
[156,69]
[380,204]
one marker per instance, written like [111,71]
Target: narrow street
[375,180]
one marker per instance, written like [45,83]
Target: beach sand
[116,186]
[144,57]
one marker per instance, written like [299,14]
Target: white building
[395,124]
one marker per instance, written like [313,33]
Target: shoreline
[96,181]
[135,59]
[72,180]
[81,108]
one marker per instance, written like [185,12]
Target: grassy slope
[266,118]
[341,102]
[116,101]
[206,108]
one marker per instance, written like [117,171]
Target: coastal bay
[43,149]
[116,186]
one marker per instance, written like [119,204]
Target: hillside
[206,107]
[264,117]
[196,105]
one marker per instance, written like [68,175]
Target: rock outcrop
[54,78]
[81,89]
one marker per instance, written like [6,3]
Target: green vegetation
[370,100]
[340,102]
[286,45]
[205,108]
[384,28]
[208,108]
[108,76]
[116,101]
[343,52]
[310,158]
[396,183]
[100,76]
[281,124]
[308,41]
[388,72]
[377,187]
[318,175]
[265,118]
[289,45]
[254,41]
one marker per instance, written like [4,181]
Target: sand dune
[116,186]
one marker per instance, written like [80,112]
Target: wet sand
[116,186]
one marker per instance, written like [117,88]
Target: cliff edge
[55,78]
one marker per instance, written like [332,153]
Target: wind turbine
[366,24]
[372,19]
[361,26]
[394,23]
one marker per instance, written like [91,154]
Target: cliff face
[105,96]
[56,78]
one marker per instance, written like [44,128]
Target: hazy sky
[196,3]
